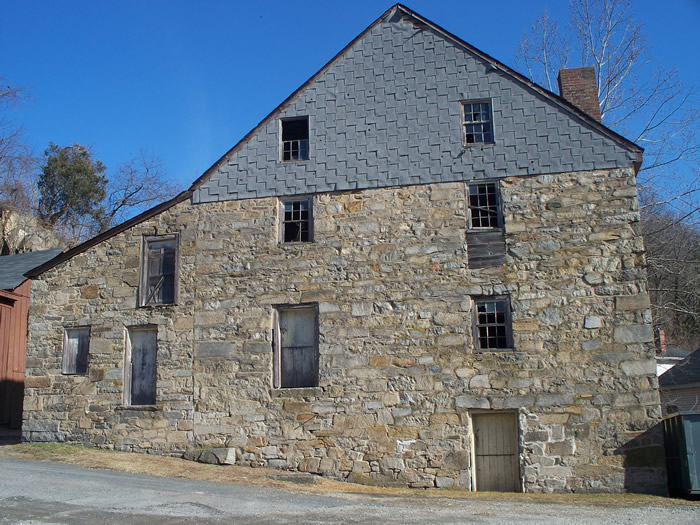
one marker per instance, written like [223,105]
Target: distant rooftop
[685,372]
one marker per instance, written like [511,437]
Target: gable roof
[13,267]
[390,54]
[684,373]
[618,149]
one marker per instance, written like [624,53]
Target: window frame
[496,205]
[507,324]
[282,223]
[127,393]
[282,142]
[278,349]
[482,122]
[145,276]
[76,369]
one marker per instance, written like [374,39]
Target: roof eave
[80,248]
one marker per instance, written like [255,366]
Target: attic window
[478,126]
[295,139]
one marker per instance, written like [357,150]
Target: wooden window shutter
[81,360]
[76,345]
[276,350]
[70,351]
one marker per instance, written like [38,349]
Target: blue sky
[186,80]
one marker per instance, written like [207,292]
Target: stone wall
[99,288]
[399,378]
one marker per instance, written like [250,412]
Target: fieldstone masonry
[399,381]
[399,377]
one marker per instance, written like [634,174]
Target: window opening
[483,205]
[477,122]
[159,272]
[295,139]
[296,221]
[492,322]
[76,348]
[140,383]
[296,347]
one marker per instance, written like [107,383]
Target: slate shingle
[397,91]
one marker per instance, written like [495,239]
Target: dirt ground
[302,483]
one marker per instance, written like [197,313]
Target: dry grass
[258,477]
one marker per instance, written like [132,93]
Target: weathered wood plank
[143,366]
[486,248]
[496,452]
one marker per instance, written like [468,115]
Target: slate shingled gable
[368,109]
[260,183]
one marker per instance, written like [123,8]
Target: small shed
[15,291]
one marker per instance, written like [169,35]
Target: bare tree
[25,181]
[17,162]
[648,104]
[543,51]
[137,185]
[673,270]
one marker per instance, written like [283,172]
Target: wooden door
[143,366]
[299,365]
[496,452]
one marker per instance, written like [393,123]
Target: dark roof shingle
[13,267]
[685,372]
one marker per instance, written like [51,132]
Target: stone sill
[312,391]
[159,305]
[138,408]
[297,243]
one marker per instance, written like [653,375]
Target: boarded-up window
[297,220]
[76,347]
[492,324]
[485,236]
[159,272]
[295,139]
[296,347]
[140,366]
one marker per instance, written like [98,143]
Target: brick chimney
[578,86]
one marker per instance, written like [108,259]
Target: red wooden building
[15,291]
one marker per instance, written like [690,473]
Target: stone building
[420,269]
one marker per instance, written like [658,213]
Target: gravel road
[40,492]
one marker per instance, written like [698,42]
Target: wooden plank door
[297,328]
[496,452]
[143,366]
